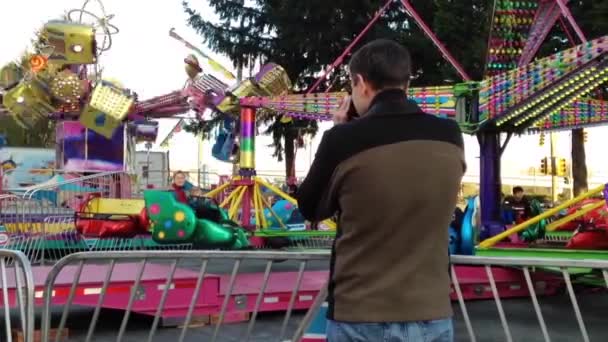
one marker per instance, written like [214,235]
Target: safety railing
[202,291]
[15,232]
[17,282]
[110,184]
[570,271]
[474,318]
[151,179]
[183,288]
[40,218]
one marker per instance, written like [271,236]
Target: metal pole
[427,30]
[239,78]
[553,138]
[349,48]
[148,148]
[198,161]
[546,16]
[566,13]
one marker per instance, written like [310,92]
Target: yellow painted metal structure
[115,206]
[234,201]
[579,213]
[38,228]
[69,42]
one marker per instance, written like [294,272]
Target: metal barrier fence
[114,184]
[209,289]
[563,267]
[40,219]
[182,286]
[566,269]
[17,282]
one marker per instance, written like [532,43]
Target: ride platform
[581,275]
[213,291]
[531,252]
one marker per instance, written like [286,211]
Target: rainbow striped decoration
[499,94]
[581,113]
[247,139]
[439,101]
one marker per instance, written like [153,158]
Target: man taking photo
[392,175]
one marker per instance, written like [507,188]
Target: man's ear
[356,78]
[367,87]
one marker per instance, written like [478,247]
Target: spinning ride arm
[566,13]
[199,94]
[523,97]
[547,15]
[162,106]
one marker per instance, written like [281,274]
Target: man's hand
[341,115]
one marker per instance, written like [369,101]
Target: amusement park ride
[60,78]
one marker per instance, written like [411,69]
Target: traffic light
[541,142]
[585,136]
[544,166]
[562,167]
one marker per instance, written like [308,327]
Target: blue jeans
[423,331]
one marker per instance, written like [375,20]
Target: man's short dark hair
[383,63]
[517,189]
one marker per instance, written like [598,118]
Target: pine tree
[41,135]
[464,26]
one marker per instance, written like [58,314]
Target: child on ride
[179,187]
[520,205]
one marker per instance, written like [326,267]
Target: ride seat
[170,220]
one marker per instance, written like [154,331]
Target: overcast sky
[145,59]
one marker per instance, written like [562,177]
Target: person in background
[179,187]
[520,205]
[392,175]
[292,186]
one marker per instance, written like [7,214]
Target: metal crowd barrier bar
[15,232]
[563,268]
[46,212]
[113,184]
[17,282]
[193,286]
